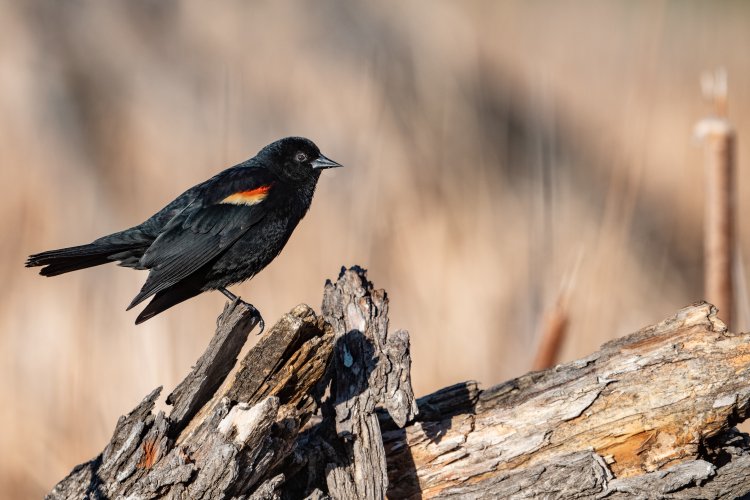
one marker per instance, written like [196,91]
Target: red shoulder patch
[249,197]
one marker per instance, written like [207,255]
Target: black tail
[80,257]
[165,299]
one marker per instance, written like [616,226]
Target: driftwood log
[322,407]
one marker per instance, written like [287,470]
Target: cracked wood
[316,407]
[642,404]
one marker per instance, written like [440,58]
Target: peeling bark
[639,412]
[223,441]
[317,410]
[370,369]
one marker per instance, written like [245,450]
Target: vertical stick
[553,335]
[718,138]
[556,322]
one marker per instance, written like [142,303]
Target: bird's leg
[256,312]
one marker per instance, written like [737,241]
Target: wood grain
[322,407]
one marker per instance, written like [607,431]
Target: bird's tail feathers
[64,260]
[164,300]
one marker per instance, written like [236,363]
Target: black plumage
[218,233]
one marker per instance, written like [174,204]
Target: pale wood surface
[646,403]
[318,409]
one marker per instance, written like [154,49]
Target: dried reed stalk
[718,138]
[553,335]
[556,321]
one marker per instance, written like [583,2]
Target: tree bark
[650,414]
[317,409]
[229,446]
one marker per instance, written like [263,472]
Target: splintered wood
[248,438]
[643,403]
[318,407]
[370,368]
[212,446]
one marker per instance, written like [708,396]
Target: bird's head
[296,157]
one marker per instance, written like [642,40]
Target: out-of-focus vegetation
[491,146]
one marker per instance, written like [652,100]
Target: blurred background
[497,153]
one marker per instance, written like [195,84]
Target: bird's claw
[261,322]
[253,309]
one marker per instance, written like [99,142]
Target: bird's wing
[228,206]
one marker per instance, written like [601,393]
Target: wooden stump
[322,407]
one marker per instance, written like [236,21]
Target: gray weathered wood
[231,443]
[232,329]
[585,475]
[316,408]
[232,440]
[370,368]
[289,361]
[640,411]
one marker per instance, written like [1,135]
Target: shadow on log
[322,407]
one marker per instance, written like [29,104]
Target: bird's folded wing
[200,233]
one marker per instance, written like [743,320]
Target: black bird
[218,233]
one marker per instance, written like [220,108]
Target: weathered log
[316,407]
[637,416]
[370,368]
[229,441]
[232,329]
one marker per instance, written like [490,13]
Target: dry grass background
[491,146]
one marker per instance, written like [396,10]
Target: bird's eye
[301,157]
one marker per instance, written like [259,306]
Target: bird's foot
[254,310]
[256,313]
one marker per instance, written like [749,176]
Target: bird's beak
[322,162]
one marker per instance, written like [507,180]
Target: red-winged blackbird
[218,233]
